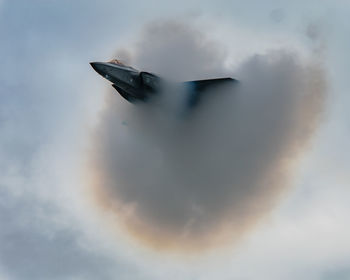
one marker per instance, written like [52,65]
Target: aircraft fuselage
[136,85]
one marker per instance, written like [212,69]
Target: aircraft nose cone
[96,66]
[100,68]
[103,69]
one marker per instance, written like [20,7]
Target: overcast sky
[51,101]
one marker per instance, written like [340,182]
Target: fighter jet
[134,85]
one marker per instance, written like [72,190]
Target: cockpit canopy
[116,61]
[119,63]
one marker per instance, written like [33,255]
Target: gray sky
[51,101]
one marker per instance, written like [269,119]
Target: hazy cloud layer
[197,181]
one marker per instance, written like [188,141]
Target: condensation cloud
[195,181]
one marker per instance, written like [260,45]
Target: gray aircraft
[134,85]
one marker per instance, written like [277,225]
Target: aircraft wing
[197,88]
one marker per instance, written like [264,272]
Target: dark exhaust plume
[192,181]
